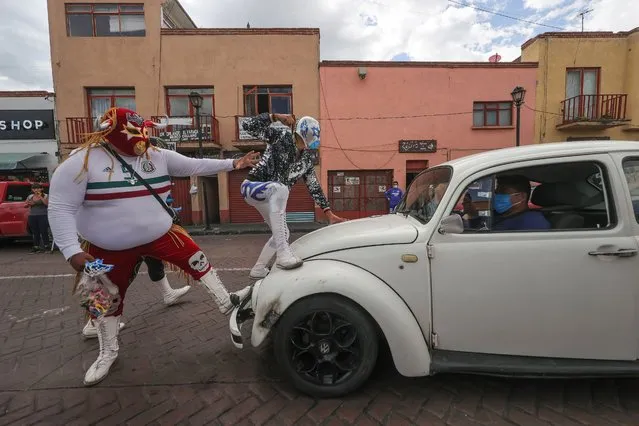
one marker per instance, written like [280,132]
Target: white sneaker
[259,272]
[289,262]
[174,295]
[108,328]
[90,331]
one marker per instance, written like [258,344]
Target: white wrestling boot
[260,270]
[108,328]
[225,301]
[90,331]
[171,295]
[285,257]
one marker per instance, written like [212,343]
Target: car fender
[280,289]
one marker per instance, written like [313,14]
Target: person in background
[38,203]
[511,205]
[394,196]
[169,202]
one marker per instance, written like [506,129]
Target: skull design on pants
[199,262]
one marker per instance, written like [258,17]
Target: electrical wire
[333,128]
[542,112]
[387,117]
[505,16]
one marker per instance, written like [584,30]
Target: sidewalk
[250,228]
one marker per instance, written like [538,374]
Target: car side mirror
[452,224]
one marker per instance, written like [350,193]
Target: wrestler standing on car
[286,160]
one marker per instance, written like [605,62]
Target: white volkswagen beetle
[512,285]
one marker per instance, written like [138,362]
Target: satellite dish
[495,58]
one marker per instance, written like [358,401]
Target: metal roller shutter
[300,208]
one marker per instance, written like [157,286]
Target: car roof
[544,150]
[20,183]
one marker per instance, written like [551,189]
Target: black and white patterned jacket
[281,161]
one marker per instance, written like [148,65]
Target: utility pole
[582,14]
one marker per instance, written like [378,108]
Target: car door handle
[619,253]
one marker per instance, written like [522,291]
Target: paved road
[177,366]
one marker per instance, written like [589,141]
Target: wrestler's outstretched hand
[249,160]
[333,218]
[78,260]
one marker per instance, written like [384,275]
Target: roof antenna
[582,14]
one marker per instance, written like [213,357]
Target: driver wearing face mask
[511,205]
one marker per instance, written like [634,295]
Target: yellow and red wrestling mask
[127,131]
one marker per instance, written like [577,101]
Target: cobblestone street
[177,366]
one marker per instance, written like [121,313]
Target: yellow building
[587,85]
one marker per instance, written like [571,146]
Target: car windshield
[425,193]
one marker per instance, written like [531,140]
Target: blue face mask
[502,203]
[314,145]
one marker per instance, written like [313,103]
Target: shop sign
[27,124]
[427,145]
[186,135]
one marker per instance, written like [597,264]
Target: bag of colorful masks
[95,290]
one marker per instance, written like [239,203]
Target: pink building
[385,121]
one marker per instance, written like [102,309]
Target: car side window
[17,193]
[631,171]
[552,197]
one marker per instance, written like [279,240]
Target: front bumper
[242,313]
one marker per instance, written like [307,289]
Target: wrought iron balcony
[185,133]
[593,111]
[77,128]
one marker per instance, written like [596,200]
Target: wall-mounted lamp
[361,72]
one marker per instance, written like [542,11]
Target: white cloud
[542,4]
[424,30]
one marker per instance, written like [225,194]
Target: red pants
[173,247]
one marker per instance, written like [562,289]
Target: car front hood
[372,231]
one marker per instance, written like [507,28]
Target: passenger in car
[511,204]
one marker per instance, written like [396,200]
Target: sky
[401,30]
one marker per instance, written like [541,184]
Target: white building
[28,143]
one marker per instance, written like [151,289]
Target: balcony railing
[594,108]
[77,127]
[188,132]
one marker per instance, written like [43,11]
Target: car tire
[326,345]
